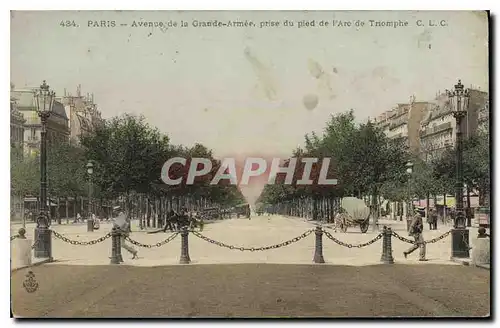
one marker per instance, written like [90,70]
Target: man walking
[416,228]
[124,225]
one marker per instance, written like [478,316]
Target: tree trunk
[427,205]
[374,211]
[58,207]
[67,210]
[444,206]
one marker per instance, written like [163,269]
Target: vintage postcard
[250,164]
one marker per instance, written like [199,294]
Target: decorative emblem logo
[30,283]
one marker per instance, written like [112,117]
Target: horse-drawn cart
[353,212]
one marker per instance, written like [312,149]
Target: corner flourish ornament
[30,284]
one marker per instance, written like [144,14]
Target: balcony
[398,123]
[436,129]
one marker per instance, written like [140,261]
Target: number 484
[68,23]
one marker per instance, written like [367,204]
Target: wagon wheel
[364,226]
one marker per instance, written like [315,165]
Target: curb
[469,263]
[483,266]
[33,264]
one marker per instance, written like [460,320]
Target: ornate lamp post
[44,102]
[459,100]
[409,211]
[90,220]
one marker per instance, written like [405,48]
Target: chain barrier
[403,239]
[34,244]
[341,243]
[254,249]
[439,238]
[81,243]
[434,240]
[158,244]
[13,237]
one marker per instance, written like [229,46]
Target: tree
[365,162]
[24,176]
[66,170]
[128,154]
[476,165]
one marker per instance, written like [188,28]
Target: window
[33,133]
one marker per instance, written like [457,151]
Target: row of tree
[127,155]
[367,163]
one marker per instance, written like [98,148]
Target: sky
[248,90]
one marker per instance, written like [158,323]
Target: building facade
[438,129]
[404,122]
[57,124]
[82,113]
[484,116]
[17,121]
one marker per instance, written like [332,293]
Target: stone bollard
[43,243]
[318,249]
[481,249]
[21,233]
[115,236]
[90,225]
[21,250]
[184,247]
[386,257]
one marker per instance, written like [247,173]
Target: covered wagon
[353,212]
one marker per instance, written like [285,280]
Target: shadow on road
[252,290]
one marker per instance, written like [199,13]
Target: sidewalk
[257,232]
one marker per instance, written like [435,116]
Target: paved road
[257,232]
[253,290]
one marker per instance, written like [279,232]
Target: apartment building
[57,124]
[438,128]
[82,113]
[404,122]
[17,121]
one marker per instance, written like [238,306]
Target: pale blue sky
[240,90]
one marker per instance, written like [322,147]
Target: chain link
[403,239]
[158,244]
[253,249]
[409,241]
[439,238]
[34,244]
[81,243]
[341,243]
[13,237]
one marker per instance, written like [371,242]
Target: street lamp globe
[44,99]
[458,98]
[90,168]
[409,167]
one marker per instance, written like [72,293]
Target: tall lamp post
[459,100]
[44,99]
[90,220]
[409,170]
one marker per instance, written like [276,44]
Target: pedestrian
[429,220]
[434,217]
[123,224]
[416,229]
